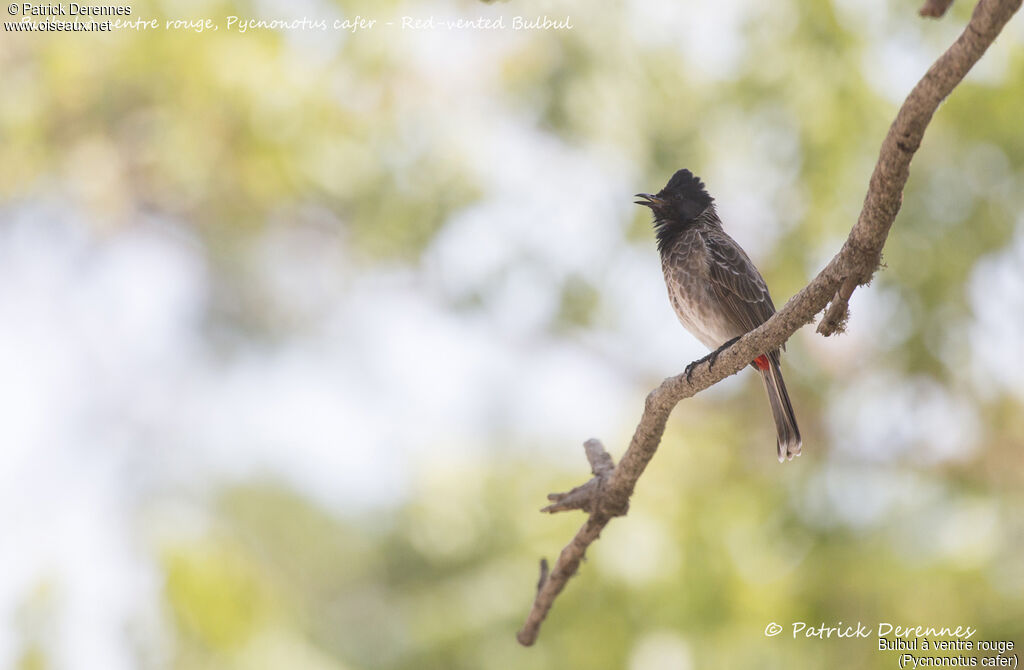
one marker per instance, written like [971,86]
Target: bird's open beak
[648,200]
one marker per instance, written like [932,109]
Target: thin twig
[583,496]
[838,310]
[935,8]
[856,261]
[544,569]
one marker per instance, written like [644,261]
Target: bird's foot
[713,356]
[709,359]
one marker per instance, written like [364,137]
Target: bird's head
[682,200]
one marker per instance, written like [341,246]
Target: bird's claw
[712,357]
[709,359]
[692,366]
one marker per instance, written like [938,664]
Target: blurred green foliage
[712,551]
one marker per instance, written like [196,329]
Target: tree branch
[607,495]
[583,497]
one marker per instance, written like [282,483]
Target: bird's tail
[782,409]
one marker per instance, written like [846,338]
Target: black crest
[686,195]
[678,206]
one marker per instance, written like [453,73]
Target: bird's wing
[736,283]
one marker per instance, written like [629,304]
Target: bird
[715,289]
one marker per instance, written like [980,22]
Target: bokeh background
[298,328]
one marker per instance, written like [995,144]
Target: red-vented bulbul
[715,289]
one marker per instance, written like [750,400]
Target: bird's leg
[713,356]
[710,358]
